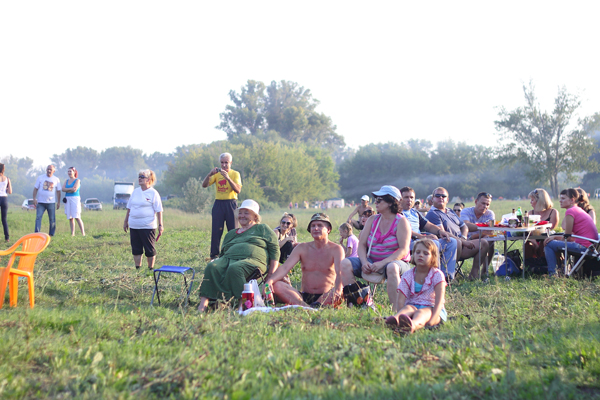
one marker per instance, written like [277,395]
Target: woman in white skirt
[72,200]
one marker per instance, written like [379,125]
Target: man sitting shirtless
[321,272]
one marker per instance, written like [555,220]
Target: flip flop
[392,321]
[405,324]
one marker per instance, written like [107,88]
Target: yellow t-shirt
[224,191]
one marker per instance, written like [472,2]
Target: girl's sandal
[392,321]
[405,324]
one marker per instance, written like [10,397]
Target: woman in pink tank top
[384,245]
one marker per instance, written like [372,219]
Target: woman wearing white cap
[384,245]
[253,245]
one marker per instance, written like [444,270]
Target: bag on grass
[537,266]
[258,300]
[357,293]
[508,267]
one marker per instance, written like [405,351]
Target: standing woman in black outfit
[5,190]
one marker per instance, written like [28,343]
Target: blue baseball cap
[391,190]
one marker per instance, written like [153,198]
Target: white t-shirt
[46,188]
[143,205]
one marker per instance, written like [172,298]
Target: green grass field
[93,334]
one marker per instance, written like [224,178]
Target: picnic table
[526,236]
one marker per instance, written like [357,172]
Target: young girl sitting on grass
[421,291]
[351,247]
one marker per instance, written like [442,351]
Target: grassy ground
[92,333]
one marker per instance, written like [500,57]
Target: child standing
[351,247]
[421,291]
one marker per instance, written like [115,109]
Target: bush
[196,198]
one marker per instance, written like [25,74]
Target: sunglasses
[457,210]
[484,194]
[142,177]
[379,200]
[443,196]
[285,223]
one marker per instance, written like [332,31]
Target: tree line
[287,151]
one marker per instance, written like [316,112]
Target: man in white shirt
[45,199]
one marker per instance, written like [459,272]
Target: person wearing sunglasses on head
[445,219]
[480,213]
[144,216]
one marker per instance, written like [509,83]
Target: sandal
[392,321]
[405,324]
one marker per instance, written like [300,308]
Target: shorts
[443,314]
[310,298]
[357,266]
[142,239]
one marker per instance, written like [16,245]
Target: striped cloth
[382,245]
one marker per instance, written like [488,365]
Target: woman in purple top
[576,222]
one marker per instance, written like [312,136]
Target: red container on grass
[247,297]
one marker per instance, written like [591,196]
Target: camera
[218,169]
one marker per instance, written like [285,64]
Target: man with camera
[228,186]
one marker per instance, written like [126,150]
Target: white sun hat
[251,205]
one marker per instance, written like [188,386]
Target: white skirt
[73,207]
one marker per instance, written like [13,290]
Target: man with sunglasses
[445,243]
[229,185]
[445,219]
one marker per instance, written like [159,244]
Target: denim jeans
[51,208]
[555,246]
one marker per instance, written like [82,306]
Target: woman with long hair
[584,203]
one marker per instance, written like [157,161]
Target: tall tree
[247,115]
[282,107]
[550,143]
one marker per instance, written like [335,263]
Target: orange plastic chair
[32,245]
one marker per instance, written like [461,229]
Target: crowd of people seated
[390,230]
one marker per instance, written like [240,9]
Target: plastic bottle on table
[520,216]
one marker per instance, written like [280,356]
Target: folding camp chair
[580,259]
[173,270]
[258,275]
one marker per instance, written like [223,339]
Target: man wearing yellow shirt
[228,184]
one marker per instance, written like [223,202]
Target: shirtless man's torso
[320,261]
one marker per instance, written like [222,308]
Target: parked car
[92,204]
[28,205]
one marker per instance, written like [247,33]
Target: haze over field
[155,75]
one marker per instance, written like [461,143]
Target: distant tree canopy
[549,143]
[271,172]
[463,169]
[284,108]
